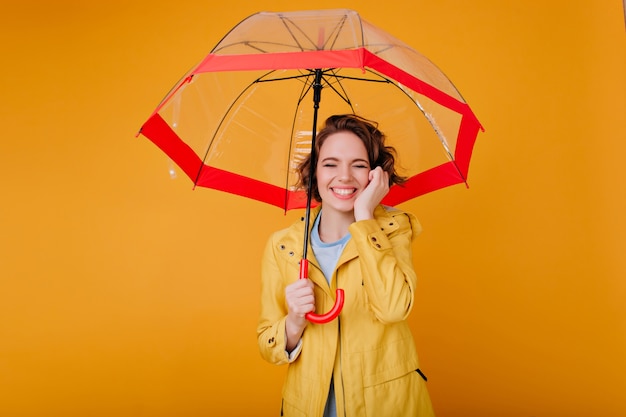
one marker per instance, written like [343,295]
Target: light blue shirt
[327,254]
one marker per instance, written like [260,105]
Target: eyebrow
[334,158]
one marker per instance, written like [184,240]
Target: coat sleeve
[271,326]
[388,275]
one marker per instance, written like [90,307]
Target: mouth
[344,192]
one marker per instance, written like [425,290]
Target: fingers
[380,177]
[300,297]
[372,195]
[378,186]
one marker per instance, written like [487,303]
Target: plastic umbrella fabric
[242,119]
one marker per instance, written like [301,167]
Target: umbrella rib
[336,31]
[346,77]
[286,22]
[343,93]
[334,35]
[343,96]
[291,77]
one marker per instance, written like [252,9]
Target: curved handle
[334,311]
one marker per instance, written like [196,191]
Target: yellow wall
[124,293]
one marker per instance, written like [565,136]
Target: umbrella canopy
[242,119]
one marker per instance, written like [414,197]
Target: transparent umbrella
[242,119]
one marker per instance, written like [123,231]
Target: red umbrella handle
[333,312]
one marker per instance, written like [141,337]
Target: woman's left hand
[372,195]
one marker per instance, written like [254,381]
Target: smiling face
[342,171]
[372,140]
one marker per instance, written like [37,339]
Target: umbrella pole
[304,262]
[317,97]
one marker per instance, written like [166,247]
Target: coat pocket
[288,409]
[404,396]
[389,361]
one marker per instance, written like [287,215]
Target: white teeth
[343,191]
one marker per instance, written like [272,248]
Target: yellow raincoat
[369,348]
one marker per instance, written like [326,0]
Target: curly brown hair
[372,138]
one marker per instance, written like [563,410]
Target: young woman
[364,363]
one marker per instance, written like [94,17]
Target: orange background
[125,293]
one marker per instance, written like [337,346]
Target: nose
[345,173]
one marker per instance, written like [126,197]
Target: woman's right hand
[300,301]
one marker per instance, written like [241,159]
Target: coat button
[282,247]
[271,340]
